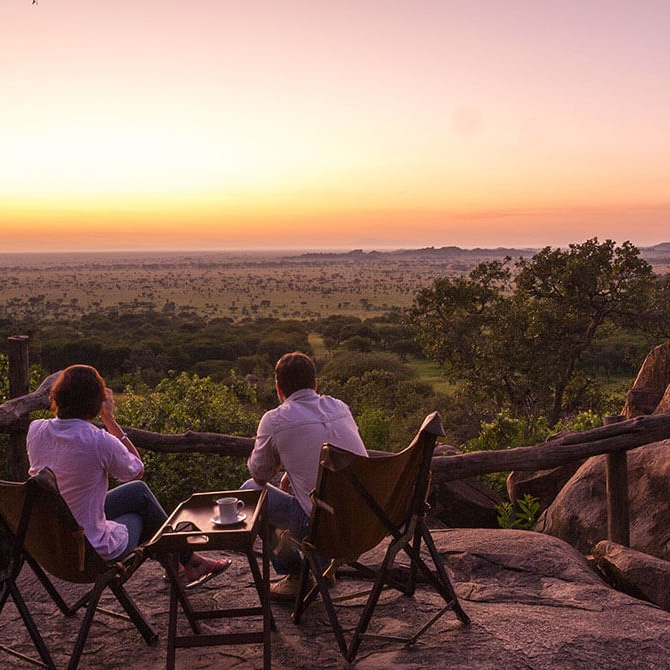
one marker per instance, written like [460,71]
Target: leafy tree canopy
[516,338]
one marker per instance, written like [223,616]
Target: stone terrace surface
[534,603]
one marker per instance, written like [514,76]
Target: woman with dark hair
[83,457]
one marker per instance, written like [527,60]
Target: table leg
[268,620]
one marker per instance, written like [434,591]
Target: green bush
[181,403]
[506,432]
[375,429]
[581,421]
[523,516]
[350,364]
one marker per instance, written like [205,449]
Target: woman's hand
[107,416]
[107,407]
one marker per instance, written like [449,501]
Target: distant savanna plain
[241,285]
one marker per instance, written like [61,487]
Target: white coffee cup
[228,509]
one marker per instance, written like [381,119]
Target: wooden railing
[614,439]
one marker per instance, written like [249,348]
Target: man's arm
[264,462]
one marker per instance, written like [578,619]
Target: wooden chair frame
[46,536]
[395,508]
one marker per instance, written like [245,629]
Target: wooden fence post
[19,385]
[616,474]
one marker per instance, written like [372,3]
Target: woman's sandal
[215,569]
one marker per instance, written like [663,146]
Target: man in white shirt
[291,436]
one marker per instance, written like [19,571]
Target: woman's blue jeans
[135,506]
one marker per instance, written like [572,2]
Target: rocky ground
[535,603]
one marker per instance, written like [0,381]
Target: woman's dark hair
[295,371]
[78,393]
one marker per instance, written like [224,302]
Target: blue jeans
[135,506]
[284,512]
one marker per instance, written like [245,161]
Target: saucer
[241,516]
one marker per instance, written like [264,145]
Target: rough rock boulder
[578,515]
[544,485]
[534,602]
[650,389]
[635,573]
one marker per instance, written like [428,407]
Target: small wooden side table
[190,527]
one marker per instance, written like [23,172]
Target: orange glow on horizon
[120,229]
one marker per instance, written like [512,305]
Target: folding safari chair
[45,535]
[357,503]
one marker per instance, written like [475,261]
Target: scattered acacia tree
[515,339]
[572,294]
[454,321]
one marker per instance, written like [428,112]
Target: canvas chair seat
[358,502]
[46,536]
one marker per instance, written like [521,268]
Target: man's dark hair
[295,371]
[78,393]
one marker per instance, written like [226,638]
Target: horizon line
[295,250]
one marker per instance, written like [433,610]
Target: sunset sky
[375,124]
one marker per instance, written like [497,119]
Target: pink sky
[296,124]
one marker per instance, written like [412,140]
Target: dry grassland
[233,285]
[218,285]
